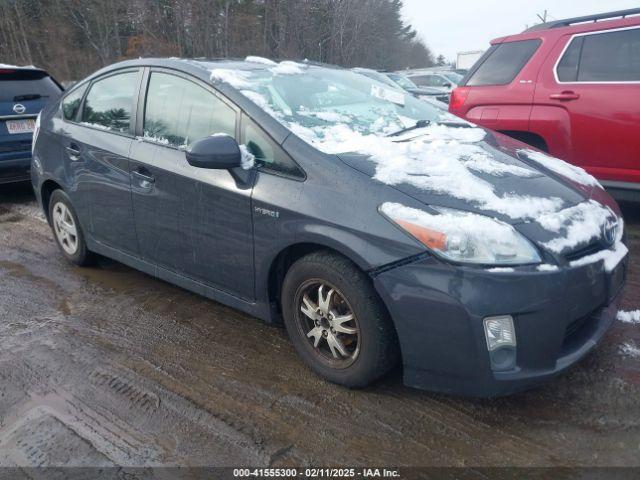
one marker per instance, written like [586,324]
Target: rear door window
[109,103]
[179,112]
[567,70]
[25,84]
[610,57]
[503,62]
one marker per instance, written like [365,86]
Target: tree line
[72,38]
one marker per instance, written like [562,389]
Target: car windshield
[453,76]
[312,100]
[401,80]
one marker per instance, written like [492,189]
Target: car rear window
[502,63]
[20,85]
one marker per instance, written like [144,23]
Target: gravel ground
[107,366]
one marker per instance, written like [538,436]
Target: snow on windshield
[438,158]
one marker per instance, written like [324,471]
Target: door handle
[144,178]
[73,151]
[565,96]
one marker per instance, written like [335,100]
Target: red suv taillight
[458,97]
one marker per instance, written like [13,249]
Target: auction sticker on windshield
[387,94]
[21,126]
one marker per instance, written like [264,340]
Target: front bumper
[438,311]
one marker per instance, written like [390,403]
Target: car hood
[481,171]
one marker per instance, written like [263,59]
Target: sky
[449,27]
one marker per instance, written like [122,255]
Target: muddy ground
[106,365]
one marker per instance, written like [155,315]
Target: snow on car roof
[17,67]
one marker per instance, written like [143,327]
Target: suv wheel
[336,321]
[66,229]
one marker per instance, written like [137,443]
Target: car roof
[570,26]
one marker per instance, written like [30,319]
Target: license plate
[21,126]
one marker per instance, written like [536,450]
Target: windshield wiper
[419,124]
[29,96]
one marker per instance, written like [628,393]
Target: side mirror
[217,151]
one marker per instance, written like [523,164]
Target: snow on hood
[451,160]
[578,224]
[568,171]
[440,159]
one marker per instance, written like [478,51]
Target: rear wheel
[66,229]
[336,321]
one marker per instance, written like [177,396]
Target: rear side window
[21,85]
[610,57]
[109,102]
[179,112]
[503,63]
[71,103]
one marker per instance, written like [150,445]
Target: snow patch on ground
[560,167]
[630,349]
[577,224]
[629,317]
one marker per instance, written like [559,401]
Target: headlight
[462,236]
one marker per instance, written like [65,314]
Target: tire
[366,355]
[66,229]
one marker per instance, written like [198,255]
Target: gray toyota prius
[379,229]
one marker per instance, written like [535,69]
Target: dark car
[24,91]
[375,229]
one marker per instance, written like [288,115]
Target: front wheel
[67,231]
[336,321]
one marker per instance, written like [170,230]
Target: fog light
[499,332]
[501,342]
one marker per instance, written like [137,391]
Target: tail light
[458,97]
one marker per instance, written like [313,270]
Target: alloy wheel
[65,228]
[328,322]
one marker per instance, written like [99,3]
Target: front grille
[16,146]
[590,249]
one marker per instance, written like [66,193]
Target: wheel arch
[46,190]
[530,138]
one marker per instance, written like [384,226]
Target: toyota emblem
[19,108]
[610,231]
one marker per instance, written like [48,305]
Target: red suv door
[588,90]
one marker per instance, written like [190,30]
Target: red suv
[571,88]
